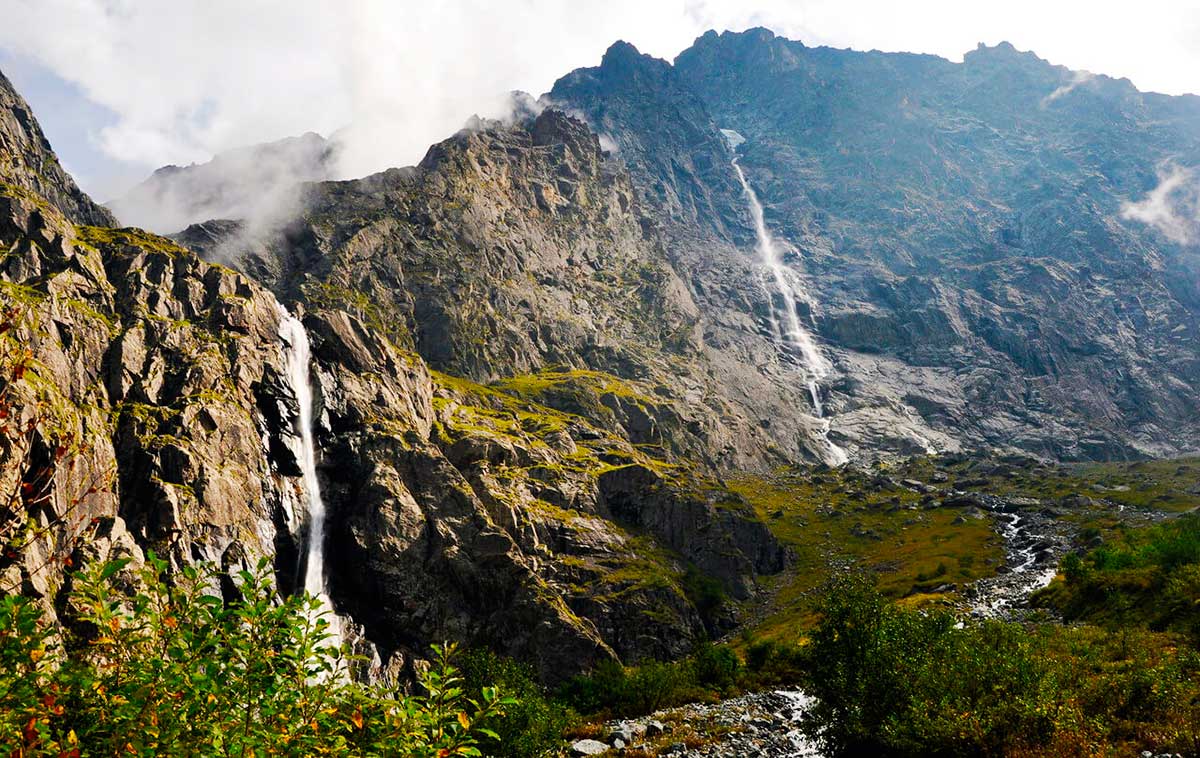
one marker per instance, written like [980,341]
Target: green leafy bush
[712,671]
[771,662]
[706,595]
[716,667]
[174,669]
[530,726]
[892,681]
[634,691]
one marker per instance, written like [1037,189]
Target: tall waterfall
[787,324]
[296,354]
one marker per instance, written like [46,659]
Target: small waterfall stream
[1033,544]
[298,360]
[787,324]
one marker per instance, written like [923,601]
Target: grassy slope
[833,520]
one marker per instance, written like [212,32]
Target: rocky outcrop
[142,374]
[171,385]
[513,248]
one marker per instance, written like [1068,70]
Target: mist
[389,78]
[1078,79]
[1172,207]
[180,82]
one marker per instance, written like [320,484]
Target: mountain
[962,231]
[554,514]
[258,183]
[545,359]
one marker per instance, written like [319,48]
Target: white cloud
[1077,80]
[1173,207]
[190,78]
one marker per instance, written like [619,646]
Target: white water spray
[297,362]
[788,327]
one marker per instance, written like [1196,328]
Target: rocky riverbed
[760,725]
[1035,539]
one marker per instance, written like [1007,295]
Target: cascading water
[297,358]
[788,327]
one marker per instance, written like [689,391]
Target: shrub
[891,681]
[772,663]
[532,725]
[173,669]
[1148,577]
[897,682]
[613,689]
[716,667]
[706,595]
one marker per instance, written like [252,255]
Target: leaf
[463,720]
[357,718]
[113,567]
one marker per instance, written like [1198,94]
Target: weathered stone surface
[30,164]
[516,247]
[588,747]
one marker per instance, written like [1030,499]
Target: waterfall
[787,323]
[297,363]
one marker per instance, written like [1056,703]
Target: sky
[124,86]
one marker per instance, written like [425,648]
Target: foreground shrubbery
[173,670]
[532,723]
[891,681]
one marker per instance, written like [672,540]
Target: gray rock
[588,747]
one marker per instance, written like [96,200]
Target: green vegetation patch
[833,520]
[105,237]
[1147,577]
[893,681]
[157,668]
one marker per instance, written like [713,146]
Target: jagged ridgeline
[972,236]
[559,512]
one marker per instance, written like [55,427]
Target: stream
[1035,540]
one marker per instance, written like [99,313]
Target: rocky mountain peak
[620,54]
[28,162]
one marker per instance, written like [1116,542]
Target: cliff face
[512,248]
[551,515]
[961,229]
